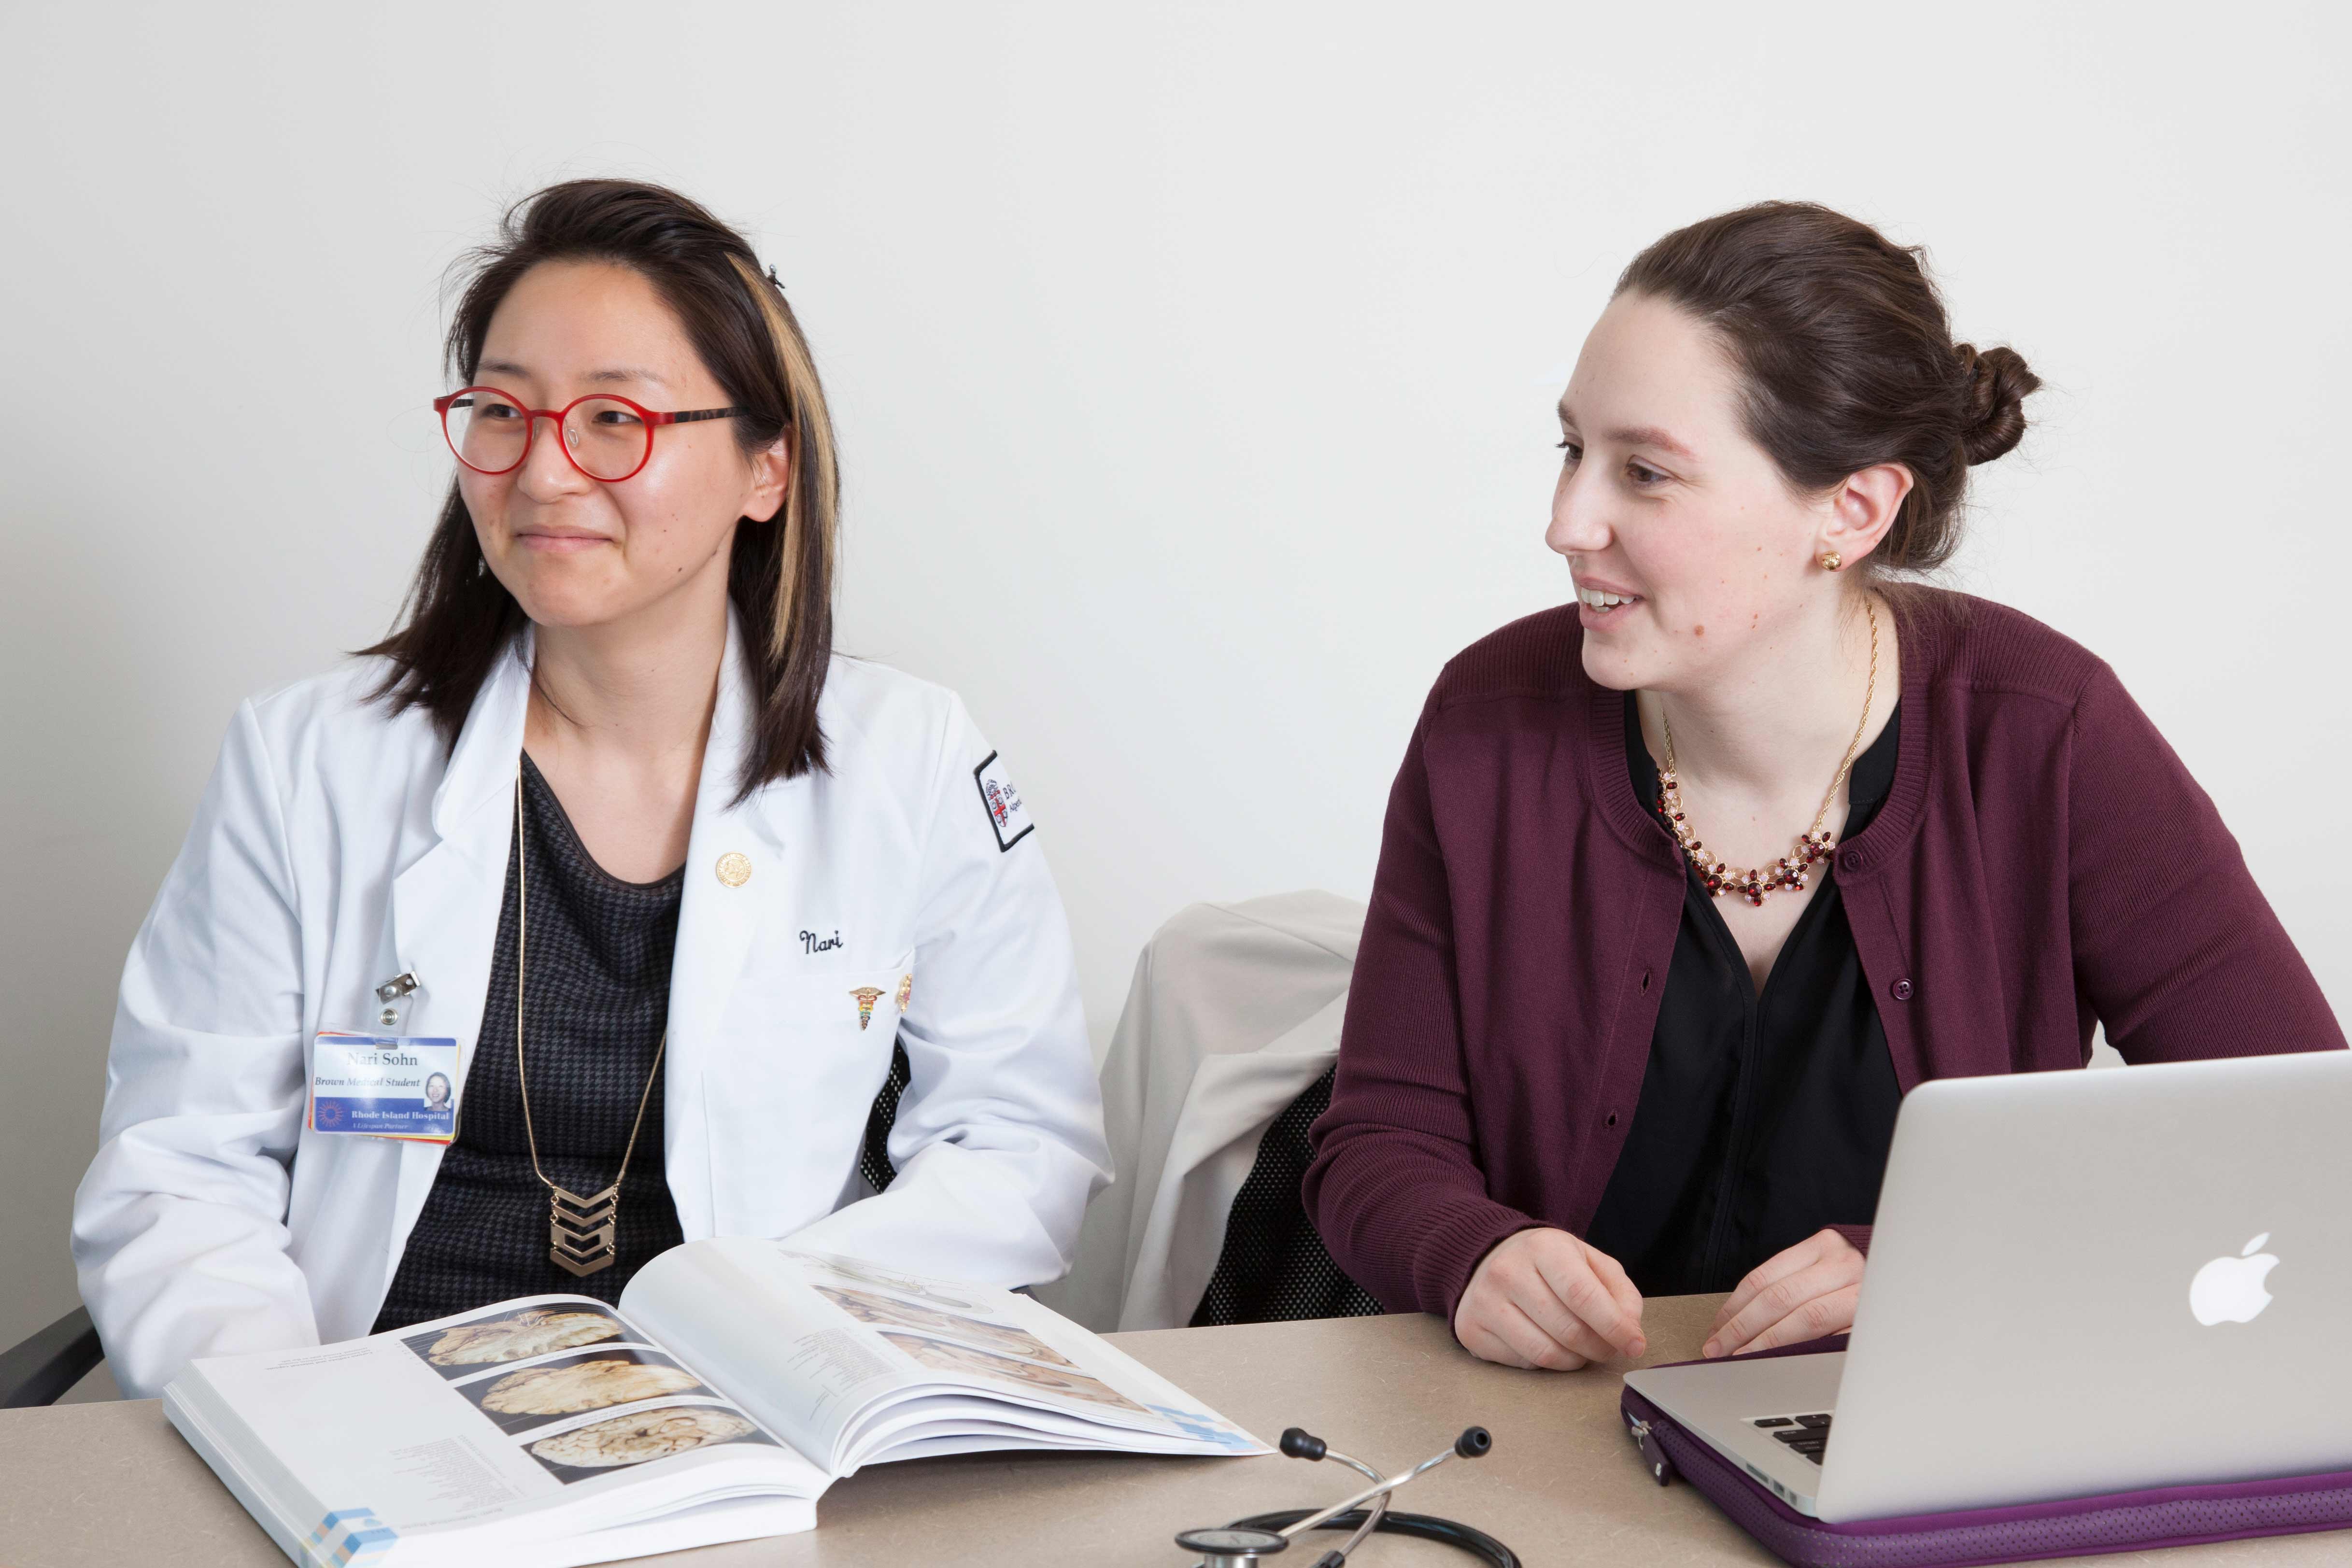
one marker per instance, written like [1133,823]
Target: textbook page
[852,1362]
[536,1420]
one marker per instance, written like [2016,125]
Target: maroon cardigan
[2043,864]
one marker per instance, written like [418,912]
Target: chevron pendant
[580,1229]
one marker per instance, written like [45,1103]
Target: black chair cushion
[1273,1267]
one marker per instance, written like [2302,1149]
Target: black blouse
[1762,1117]
[599,1002]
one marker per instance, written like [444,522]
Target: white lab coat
[337,847]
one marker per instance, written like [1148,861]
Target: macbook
[2079,1283]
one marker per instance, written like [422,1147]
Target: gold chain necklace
[580,1230]
[1790,870]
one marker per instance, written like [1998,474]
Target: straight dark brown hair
[458,619]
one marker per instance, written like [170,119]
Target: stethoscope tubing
[1422,1526]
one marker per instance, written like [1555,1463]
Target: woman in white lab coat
[607,810]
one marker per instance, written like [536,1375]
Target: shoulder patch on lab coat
[1006,815]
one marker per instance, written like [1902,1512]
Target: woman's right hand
[1542,1298]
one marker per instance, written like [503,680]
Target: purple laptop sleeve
[2077,1527]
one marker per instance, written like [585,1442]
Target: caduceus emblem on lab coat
[866,997]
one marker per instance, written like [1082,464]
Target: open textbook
[735,1381]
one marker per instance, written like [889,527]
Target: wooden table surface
[112,1483]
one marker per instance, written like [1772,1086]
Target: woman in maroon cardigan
[1683,886]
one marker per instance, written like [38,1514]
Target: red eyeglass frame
[532,416]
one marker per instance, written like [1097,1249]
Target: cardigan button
[1610,1119]
[1852,860]
[1902,990]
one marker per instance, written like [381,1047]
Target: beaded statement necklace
[1792,870]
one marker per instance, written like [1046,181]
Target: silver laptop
[2079,1283]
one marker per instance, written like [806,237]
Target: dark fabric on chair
[1273,1267]
[873,1162]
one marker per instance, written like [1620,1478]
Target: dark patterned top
[599,1001]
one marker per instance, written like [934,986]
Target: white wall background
[1193,365]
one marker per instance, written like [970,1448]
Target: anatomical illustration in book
[618,1441]
[596,1380]
[463,1349]
[958,1358]
[868,1308]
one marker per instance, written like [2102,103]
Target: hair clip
[774,279]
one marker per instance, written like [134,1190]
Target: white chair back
[1234,1010]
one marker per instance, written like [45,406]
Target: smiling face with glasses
[596,453]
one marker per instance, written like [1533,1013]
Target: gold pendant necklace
[1792,870]
[580,1231]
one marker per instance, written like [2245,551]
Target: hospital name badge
[385,1086]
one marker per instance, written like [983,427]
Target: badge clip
[393,999]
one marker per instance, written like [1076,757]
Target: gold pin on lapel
[866,997]
[734,868]
[906,990]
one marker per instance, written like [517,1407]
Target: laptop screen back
[2085,1283]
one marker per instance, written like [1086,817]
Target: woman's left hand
[1802,1293]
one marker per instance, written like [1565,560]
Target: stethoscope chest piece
[1231,1548]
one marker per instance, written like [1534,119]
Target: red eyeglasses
[606,438]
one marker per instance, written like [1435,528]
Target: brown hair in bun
[1848,358]
[1998,382]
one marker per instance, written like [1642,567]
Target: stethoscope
[1241,1543]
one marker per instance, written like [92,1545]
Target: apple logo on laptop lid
[2230,1289]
